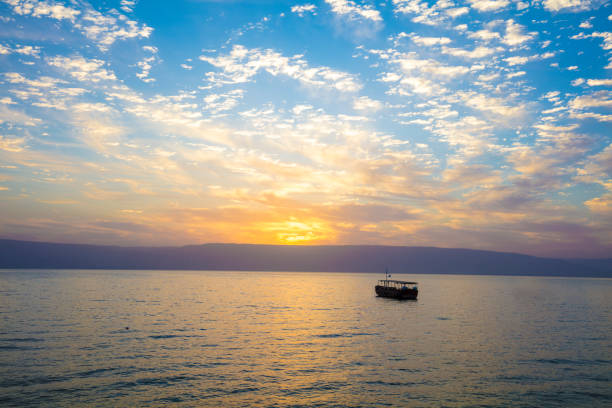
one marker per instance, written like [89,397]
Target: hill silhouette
[329,258]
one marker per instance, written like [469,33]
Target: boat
[396,289]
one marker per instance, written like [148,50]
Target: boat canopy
[398,282]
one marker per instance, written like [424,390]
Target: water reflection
[279,339]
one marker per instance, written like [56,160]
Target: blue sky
[480,124]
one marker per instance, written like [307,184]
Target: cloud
[349,9]
[85,70]
[12,145]
[8,115]
[43,9]
[103,29]
[457,12]
[492,105]
[425,14]
[29,50]
[515,35]
[488,5]
[366,104]
[429,41]
[242,64]
[91,107]
[145,66]
[223,102]
[596,100]
[599,82]
[606,36]
[516,60]
[128,5]
[42,82]
[301,10]
[511,75]
[567,5]
[477,53]
[485,35]
[472,135]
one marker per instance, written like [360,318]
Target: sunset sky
[484,124]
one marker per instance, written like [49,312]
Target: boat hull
[394,293]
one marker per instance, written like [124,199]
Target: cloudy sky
[481,124]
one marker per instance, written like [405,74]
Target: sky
[484,124]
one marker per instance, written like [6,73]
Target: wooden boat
[396,289]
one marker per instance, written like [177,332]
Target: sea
[71,338]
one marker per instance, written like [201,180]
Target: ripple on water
[299,340]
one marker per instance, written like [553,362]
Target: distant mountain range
[333,258]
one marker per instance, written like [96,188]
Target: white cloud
[456,12]
[596,100]
[105,29]
[86,70]
[29,50]
[410,63]
[366,104]
[488,5]
[242,64]
[8,115]
[514,34]
[425,14]
[300,10]
[12,145]
[552,95]
[42,82]
[567,5]
[418,85]
[223,102]
[580,105]
[488,104]
[485,35]
[521,5]
[146,64]
[489,77]
[91,107]
[516,60]
[349,9]
[429,41]
[607,38]
[591,115]
[128,5]
[599,82]
[38,8]
[515,74]
[476,53]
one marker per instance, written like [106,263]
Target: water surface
[154,338]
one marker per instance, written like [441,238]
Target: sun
[296,232]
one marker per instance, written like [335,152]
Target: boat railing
[396,283]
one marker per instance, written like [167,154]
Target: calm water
[238,339]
